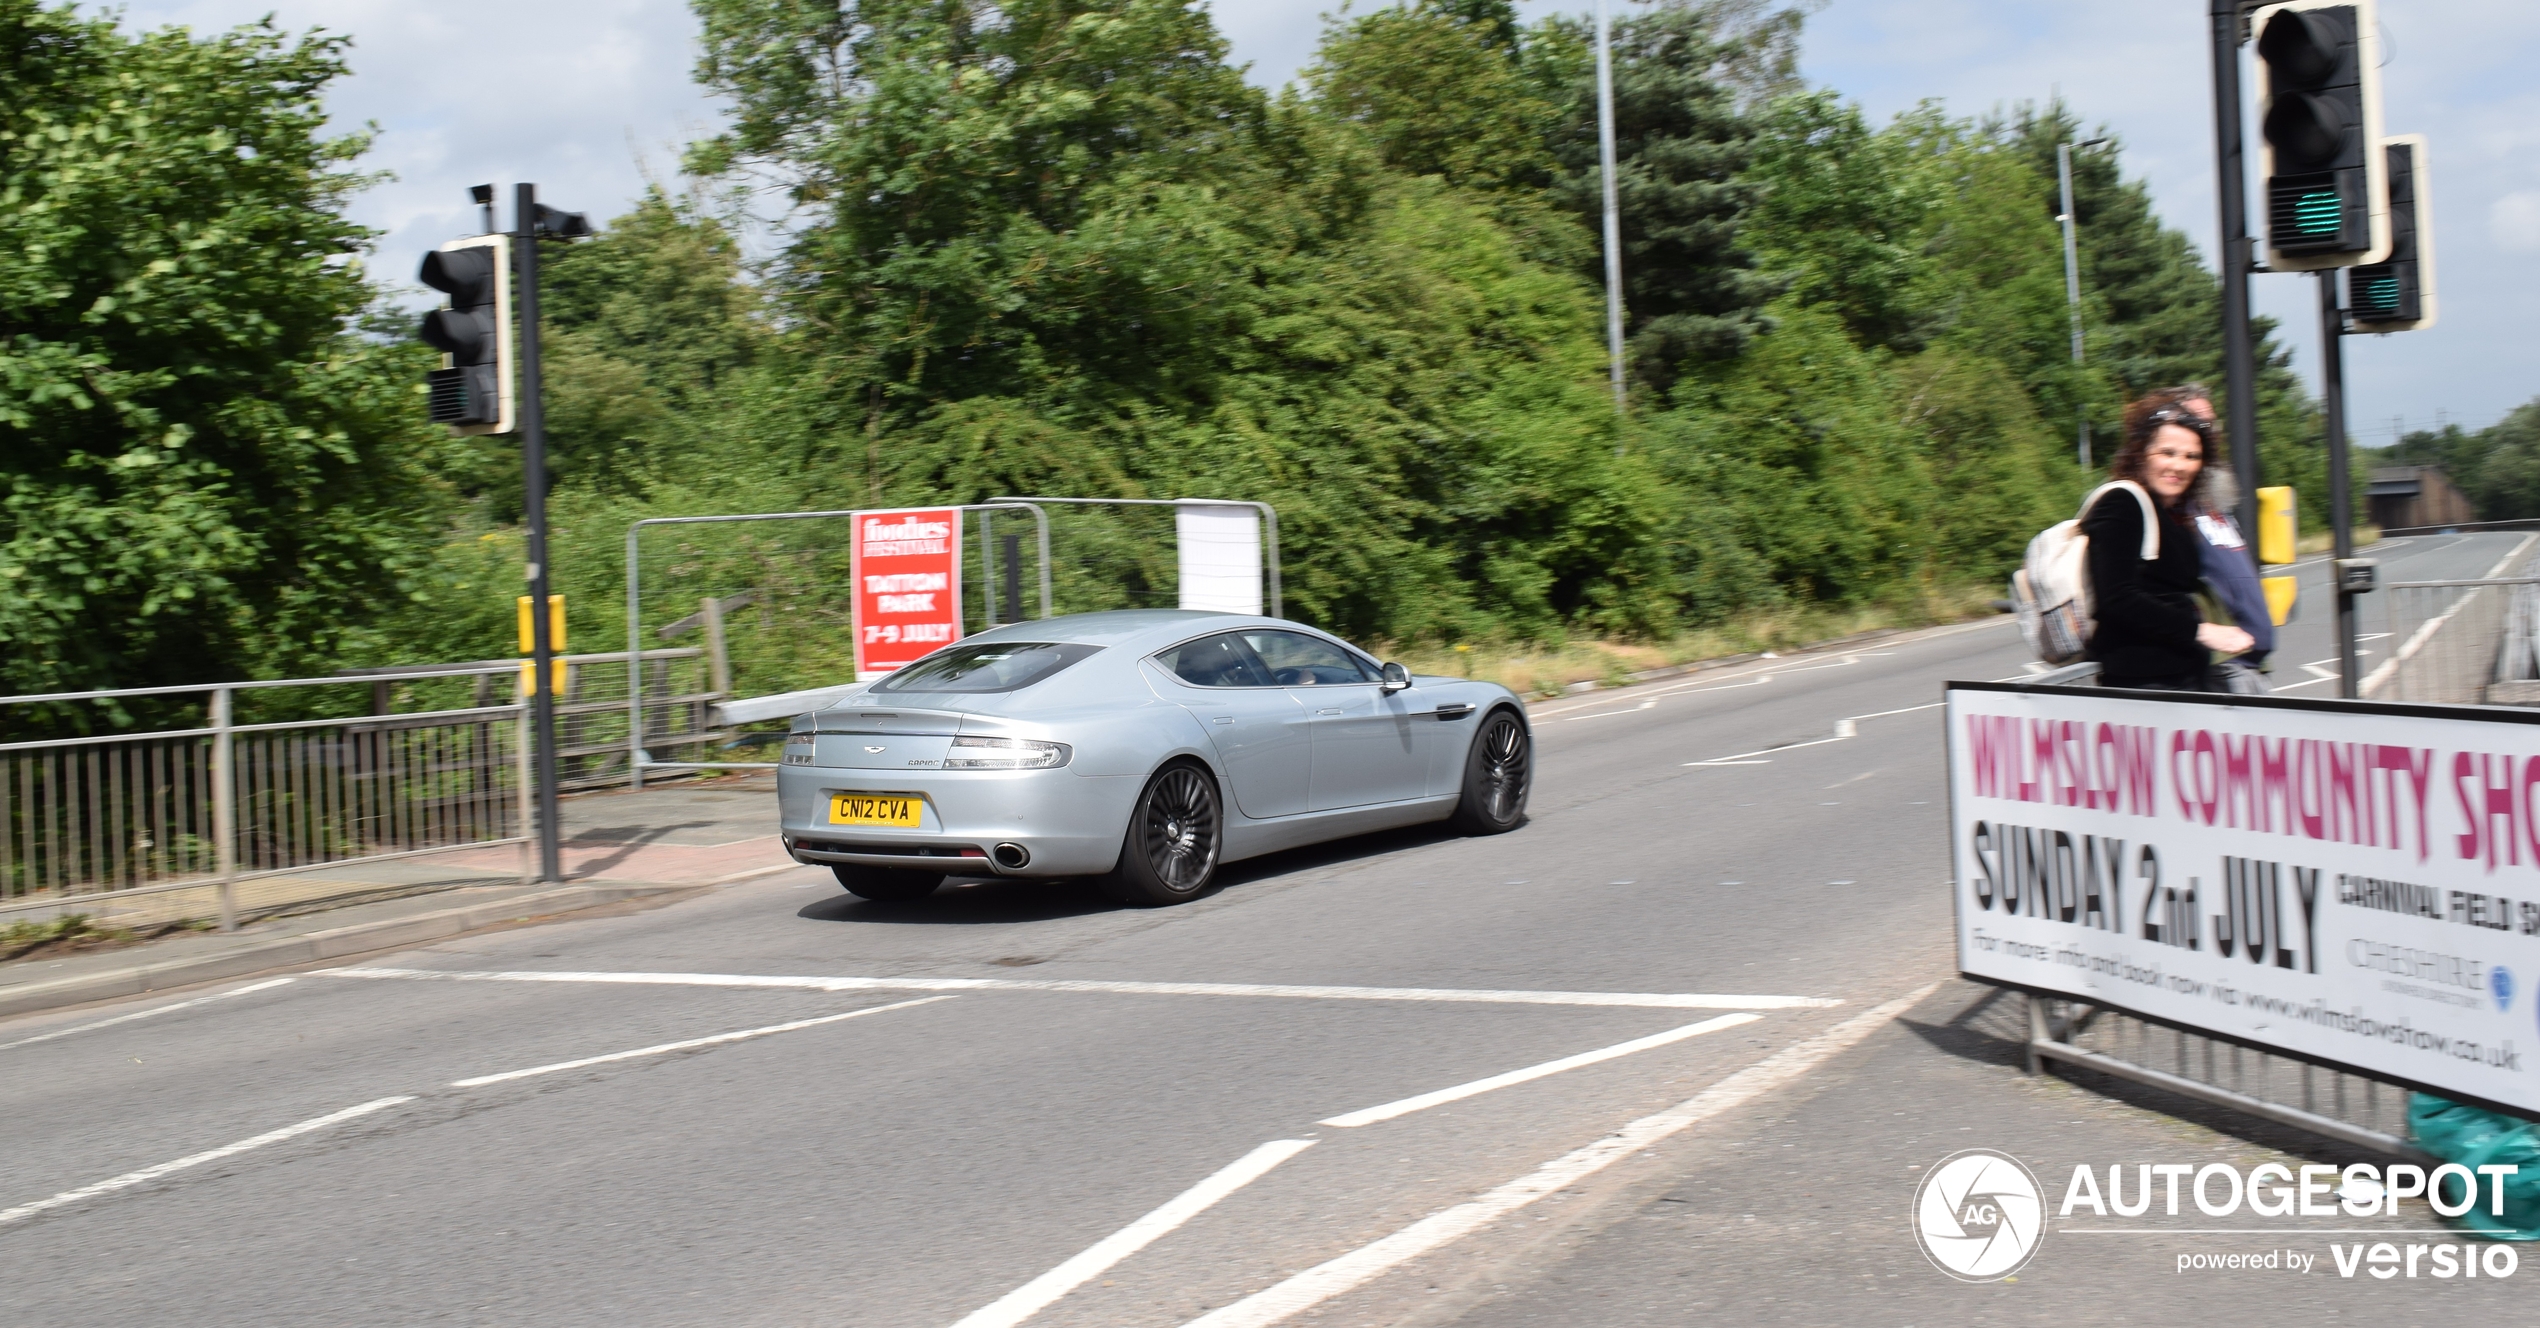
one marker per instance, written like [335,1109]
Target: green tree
[1682,152]
[205,472]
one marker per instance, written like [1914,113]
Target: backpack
[2051,591]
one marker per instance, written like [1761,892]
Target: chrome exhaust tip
[1012,857]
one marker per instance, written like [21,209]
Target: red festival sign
[907,570]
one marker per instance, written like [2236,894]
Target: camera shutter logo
[1979,1215]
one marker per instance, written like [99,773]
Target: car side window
[1216,661]
[1298,660]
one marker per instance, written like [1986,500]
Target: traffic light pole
[533,465]
[2240,358]
[2341,505]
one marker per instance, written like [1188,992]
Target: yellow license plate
[874,809]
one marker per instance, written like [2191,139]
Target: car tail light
[1006,754]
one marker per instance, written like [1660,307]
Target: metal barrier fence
[2447,640]
[2336,1104]
[139,828]
[223,816]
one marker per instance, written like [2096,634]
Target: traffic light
[2319,97]
[2397,294]
[472,391]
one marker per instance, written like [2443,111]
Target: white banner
[1221,557]
[2355,883]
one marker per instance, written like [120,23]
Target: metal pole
[2240,363]
[2072,283]
[988,569]
[2341,517]
[225,807]
[1613,208]
[636,756]
[533,434]
[523,775]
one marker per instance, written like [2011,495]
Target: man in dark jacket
[2231,572]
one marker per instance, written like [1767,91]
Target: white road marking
[147,1174]
[688,1044]
[1882,714]
[1649,1000]
[1843,728]
[1739,759]
[145,1014]
[1032,1297]
[1360,1266]
[1404,1107]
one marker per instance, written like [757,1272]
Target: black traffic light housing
[472,391]
[2319,97]
[2397,293]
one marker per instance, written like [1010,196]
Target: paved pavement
[772,1103]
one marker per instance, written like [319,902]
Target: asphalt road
[775,1104]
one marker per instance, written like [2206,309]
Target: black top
[2146,611]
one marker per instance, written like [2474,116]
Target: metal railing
[168,824]
[640,734]
[2336,1104]
[2447,640]
[224,815]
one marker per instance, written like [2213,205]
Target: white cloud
[579,98]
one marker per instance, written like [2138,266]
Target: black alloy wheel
[1170,854]
[887,884]
[1498,773]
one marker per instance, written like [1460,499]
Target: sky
[591,100]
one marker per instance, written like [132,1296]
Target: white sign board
[1221,557]
[2353,883]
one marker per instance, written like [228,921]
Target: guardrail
[156,825]
[2336,1104]
[2447,639]
[219,816]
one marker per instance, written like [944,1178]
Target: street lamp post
[1613,211]
[2072,275]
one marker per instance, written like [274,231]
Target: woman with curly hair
[2150,633]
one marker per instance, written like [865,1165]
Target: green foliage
[204,472]
[1682,150]
[2497,468]
[1059,246]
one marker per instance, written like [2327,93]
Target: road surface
[1674,1052]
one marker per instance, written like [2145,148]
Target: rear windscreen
[992,666]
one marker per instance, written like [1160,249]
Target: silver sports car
[1144,748]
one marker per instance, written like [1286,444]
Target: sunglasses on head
[2183,418]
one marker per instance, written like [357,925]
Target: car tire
[1498,774]
[1176,830]
[887,884]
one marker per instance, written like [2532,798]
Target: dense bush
[1060,246]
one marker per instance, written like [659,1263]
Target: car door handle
[1332,711]
[1223,719]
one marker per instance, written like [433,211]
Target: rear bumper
[1069,824]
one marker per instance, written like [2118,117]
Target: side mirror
[1396,678]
